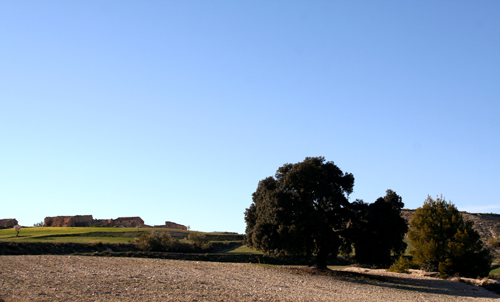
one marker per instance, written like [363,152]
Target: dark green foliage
[199,240]
[156,242]
[379,230]
[301,211]
[162,242]
[444,241]
[402,265]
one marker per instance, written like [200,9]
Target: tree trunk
[321,258]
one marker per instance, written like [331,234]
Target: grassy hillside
[96,234]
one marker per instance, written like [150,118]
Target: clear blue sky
[174,110]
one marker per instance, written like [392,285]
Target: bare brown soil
[77,278]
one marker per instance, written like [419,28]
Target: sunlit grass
[409,247]
[41,231]
[81,239]
[84,234]
[245,250]
[495,269]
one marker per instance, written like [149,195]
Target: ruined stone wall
[103,222]
[82,220]
[59,221]
[173,225]
[87,220]
[8,223]
[128,221]
[68,221]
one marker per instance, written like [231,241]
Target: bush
[199,240]
[402,265]
[444,241]
[162,242]
[157,242]
[494,242]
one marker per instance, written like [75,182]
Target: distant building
[8,223]
[68,221]
[87,220]
[173,225]
[102,222]
[128,221]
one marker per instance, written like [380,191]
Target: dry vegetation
[76,278]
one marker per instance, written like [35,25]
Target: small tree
[17,228]
[444,241]
[379,230]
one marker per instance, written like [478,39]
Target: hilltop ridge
[486,224]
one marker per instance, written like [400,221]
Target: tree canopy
[303,210]
[444,241]
[379,230]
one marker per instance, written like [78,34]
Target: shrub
[156,242]
[494,242]
[199,240]
[162,242]
[402,265]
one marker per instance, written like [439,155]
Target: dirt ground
[77,278]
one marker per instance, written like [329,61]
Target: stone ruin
[68,221]
[8,223]
[87,220]
[172,225]
[128,221]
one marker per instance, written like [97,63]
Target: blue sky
[174,110]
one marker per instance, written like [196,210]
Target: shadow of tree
[436,286]
[431,286]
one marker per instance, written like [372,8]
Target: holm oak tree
[378,230]
[302,211]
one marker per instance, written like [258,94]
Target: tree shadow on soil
[437,286]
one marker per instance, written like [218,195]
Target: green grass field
[81,234]
[245,250]
[495,269]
